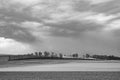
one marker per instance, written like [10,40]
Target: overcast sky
[83,26]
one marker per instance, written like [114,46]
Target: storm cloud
[84,25]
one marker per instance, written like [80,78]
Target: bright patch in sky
[11,46]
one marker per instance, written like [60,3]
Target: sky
[67,26]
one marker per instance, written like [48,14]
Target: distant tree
[87,55]
[46,54]
[53,54]
[40,54]
[103,57]
[61,55]
[75,55]
[36,53]
[32,54]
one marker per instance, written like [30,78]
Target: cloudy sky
[84,26]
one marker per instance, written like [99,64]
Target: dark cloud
[111,7]
[74,29]
[17,16]
[16,33]
[10,29]
[82,6]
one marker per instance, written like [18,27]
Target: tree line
[53,55]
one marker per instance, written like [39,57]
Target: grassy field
[59,75]
[47,61]
[32,62]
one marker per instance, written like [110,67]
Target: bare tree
[75,55]
[46,54]
[36,53]
[87,55]
[61,55]
[40,54]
